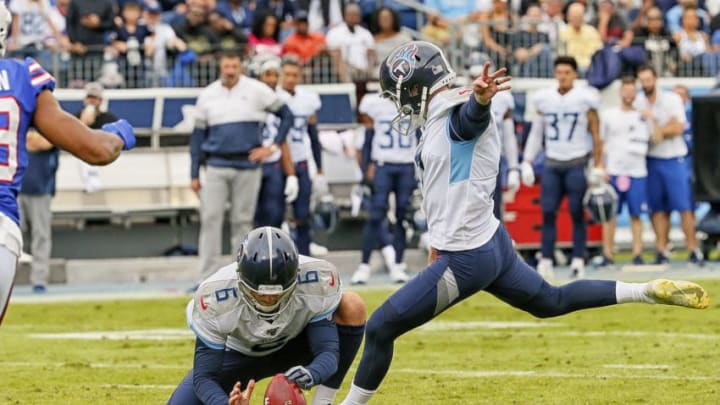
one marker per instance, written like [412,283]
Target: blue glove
[124,130]
[300,376]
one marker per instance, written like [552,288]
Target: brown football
[280,391]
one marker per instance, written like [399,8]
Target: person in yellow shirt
[578,39]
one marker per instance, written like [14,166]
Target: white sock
[357,396]
[631,292]
[324,395]
[388,253]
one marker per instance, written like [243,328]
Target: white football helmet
[5,20]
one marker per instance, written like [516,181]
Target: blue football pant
[301,209]
[239,367]
[556,183]
[454,276]
[398,179]
[270,209]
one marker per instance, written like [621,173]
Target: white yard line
[132,366]
[639,366]
[547,374]
[140,386]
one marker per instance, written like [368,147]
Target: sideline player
[390,168]
[26,100]
[668,174]
[279,183]
[273,311]
[627,135]
[458,159]
[568,119]
[304,106]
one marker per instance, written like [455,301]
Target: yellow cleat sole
[678,292]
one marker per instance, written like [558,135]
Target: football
[280,391]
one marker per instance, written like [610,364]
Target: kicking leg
[523,288]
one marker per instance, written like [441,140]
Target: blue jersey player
[458,159]
[26,100]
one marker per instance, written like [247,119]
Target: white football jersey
[222,319]
[270,131]
[457,179]
[388,145]
[627,136]
[565,123]
[501,103]
[667,105]
[303,105]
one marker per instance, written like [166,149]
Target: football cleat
[361,275]
[545,269]
[677,292]
[397,273]
[577,268]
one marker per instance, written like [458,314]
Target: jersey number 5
[554,119]
[9,138]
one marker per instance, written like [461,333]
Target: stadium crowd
[168,43]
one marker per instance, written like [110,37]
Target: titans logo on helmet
[403,64]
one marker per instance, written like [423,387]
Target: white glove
[596,177]
[513,180]
[320,185]
[292,187]
[527,173]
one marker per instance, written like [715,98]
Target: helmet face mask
[408,77]
[267,266]
[601,202]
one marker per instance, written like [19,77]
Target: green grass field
[480,352]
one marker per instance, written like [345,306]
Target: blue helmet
[267,264]
[410,75]
[324,217]
[601,202]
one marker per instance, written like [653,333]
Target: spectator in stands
[612,25]
[351,46]
[304,44]
[386,32]
[227,141]
[127,44]
[284,10]
[674,16]
[197,33]
[495,32]
[229,36]
[641,16]
[94,117]
[160,40]
[659,45]
[578,39]
[322,14]
[36,193]
[696,57]
[552,20]
[241,13]
[446,13]
[436,30]
[265,36]
[531,50]
[88,21]
[33,28]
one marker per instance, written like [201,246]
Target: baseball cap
[94,89]
[153,7]
[270,64]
